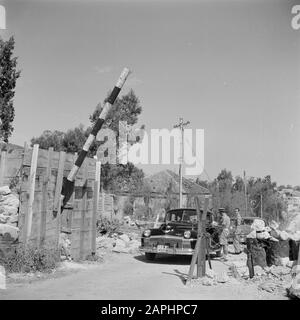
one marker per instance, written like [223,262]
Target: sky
[229,67]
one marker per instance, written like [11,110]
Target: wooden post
[83,213]
[23,205]
[59,180]
[44,210]
[201,263]
[95,206]
[194,260]
[33,166]
[2,167]
[103,203]
[57,195]
[199,255]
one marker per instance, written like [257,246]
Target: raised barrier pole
[68,184]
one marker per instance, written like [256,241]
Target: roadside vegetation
[30,259]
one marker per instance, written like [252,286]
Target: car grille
[170,242]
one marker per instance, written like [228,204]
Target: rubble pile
[273,279]
[120,243]
[291,232]
[213,278]
[9,205]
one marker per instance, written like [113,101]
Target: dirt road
[124,276]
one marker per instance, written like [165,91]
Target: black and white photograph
[149,151]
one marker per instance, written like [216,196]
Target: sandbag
[257,251]
[294,249]
[276,251]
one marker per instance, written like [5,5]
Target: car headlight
[147,233]
[187,234]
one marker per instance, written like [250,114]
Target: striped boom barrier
[68,185]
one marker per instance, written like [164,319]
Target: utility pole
[245,188]
[181,126]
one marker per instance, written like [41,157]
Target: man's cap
[221,209]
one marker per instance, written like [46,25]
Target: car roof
[190,209]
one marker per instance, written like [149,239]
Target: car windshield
[185,216]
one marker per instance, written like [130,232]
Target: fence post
[103,203]
[70,212]
[95,205]
[57,195]
[33,166]
[46,180]
[199,255]
[201,264]
[83,213]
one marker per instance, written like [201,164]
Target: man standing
[237,231]
[225,224]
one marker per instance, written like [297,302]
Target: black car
[178,235]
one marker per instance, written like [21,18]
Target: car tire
[218,253]
[150,256]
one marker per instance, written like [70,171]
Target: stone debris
[9,206]
[238,269]
[124,237]
[65,246]
[294,290]
[269,286]
[291,231]
[4,191]
[207,281]
[211,274]
[213,279]
[279,270]
[8,229]
[120,243]
[222,277]
[259,271]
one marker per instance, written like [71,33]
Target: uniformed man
[237,231]
[225,224]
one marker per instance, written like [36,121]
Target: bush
[104,226]
[30,259]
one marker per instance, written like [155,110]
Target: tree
[114,177]
[121,177]
[230,194]
[272,203]
[238,184]
[127,108]
[49,139]
[8,78]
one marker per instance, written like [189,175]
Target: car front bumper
[173,251]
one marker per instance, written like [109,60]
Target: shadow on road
[182,276]
[166,259]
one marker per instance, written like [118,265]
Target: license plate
[161,248]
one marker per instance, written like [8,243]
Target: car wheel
[218,253]
[150,256]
